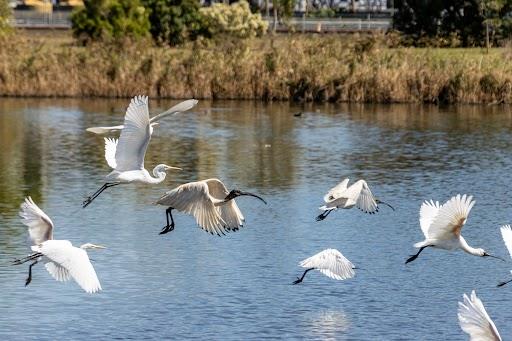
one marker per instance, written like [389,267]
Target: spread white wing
[74,260]
[40,226]
[110,152]
[180,107]
[58,272]
[473,320]
[335,192]
[451,217]
[135,136]
[229,212]
[366,201]
[104,130]
[428,212]
[331,263]
[194,198]
[506,233]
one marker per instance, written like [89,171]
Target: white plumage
[209,202]
[126,155]
[442,225]
[343,196]
[506,233]
[329,262]
[62,260]
[69,261]
[180,107]
[40,226]
[474,320]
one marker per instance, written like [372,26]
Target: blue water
[189,284]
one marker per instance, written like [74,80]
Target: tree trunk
[274,8]
[267,9]
[487,36]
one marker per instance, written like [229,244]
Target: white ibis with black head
[358,194]
[209,201]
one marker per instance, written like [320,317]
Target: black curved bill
[253,195]
[385,203]
[488,255]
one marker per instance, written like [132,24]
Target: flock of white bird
[216,211]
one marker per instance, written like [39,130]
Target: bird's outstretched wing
[229,212]
[506,233]
[58,272]
[335,192]
[331,263]
[74,260]
[451,217]
[428,212]
[104,130]
[366,201]
[194,198]
[135,136]
[110,152]
[473,320]
[40,226]
[180,107]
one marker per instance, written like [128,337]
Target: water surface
[189,284]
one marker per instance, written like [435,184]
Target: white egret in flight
[180,107]
[506,233]
[474,320]
[62,260]
[331,263]
[358,194]
[442,224]
[126,156]
[209,201]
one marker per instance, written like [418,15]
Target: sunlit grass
[284,67]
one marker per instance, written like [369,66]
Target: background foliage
[175,21]
[110,19]
[235,20]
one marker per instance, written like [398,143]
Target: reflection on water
[327,325]
[238,286]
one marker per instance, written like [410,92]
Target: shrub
[110,19]
[235,20]
[175,21]
[5,14]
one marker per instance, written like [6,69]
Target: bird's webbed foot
[167,229]
[297,281]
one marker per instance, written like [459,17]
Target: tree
[440,18]
[110,19]
[175,21]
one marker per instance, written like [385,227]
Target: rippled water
[189,284]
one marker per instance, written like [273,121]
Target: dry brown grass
[295,67]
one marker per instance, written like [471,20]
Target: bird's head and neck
[92,246]
[236,193]
[477,251]
[160,171]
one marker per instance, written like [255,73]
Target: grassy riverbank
[296,67]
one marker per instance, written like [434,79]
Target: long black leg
[168,227]
[29,278]
[98,192]
[26,259]
[503,283]
[303,275]
[413,257]
[323,215]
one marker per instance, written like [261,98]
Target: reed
[294,67]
